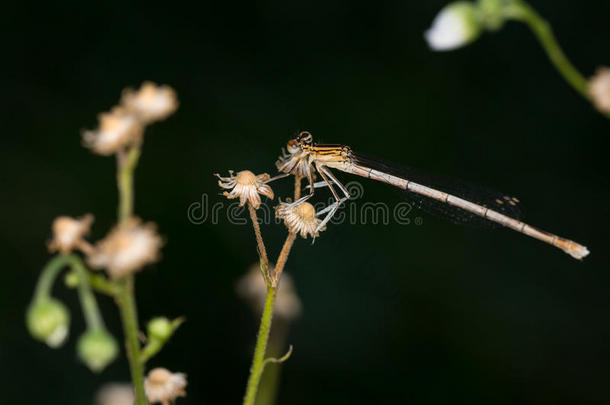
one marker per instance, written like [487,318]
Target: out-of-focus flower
[455,26]
[599,89]
[299,218]
[48,320]
[251,287]
[247,186]
[97,349]
[163,386]
[151,102]
[68,232]
[115,394]
[127,248]
[117,130]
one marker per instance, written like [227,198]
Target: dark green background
[435,313]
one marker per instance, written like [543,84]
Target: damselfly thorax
[458,202]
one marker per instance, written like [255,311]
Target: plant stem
[281,260]
[92,313]
[259,237]
[102,284]
[125,286]
[542,30]
[48,275]
[256,371]
[127,164]
[125,301]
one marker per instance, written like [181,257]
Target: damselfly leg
[330,178]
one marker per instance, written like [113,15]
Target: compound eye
[305,138]
[292,146]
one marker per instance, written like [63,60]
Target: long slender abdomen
[570,247]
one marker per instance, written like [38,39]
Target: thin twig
[283,257]
[259,237]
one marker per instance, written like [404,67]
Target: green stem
[102,285]
[129,319]
[91,311]
[256,371]
[127,165]
[48,275]
[125,286]
[542,30]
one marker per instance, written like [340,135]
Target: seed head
[299,218]
[127,248]
[117,130]
[247,186]
[68,232]
[150,103]
[163,386]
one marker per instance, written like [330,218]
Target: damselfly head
[304,138]
[293,146]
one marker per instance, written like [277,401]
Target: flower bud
[48,320]
[456,25]
[71,279]
[97,349]
[160,328]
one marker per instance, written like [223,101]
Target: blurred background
[429,313]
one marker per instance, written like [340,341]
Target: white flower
[150,103]
[599,89]
[115,394]
[68,232]
[247,186]
[117,129]
[127,248]
[299,218]
[251,286]
[163,386]
[455,25]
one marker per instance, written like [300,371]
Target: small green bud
[160,328]
[48,320]
[71,280]
[97,349]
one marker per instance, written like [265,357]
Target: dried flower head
[68,233]
[599,89]
[127,248]
[299,218]
[251,287]
[115,394]
[247,186]
[163,386]
[151,102]
[117,129]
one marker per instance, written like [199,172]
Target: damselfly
[303,157]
